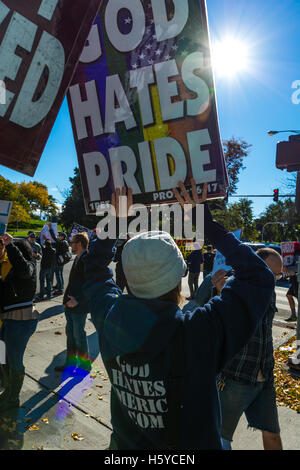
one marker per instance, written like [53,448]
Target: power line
[261,195]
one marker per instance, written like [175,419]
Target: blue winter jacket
[136,335]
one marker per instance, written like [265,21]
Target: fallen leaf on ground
[77,437]
[34,427]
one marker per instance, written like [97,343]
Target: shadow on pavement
[56,389]
[51,311]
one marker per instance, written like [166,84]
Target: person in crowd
[291,294]
[36,247]
[76,308]
[246,383]
[18,315]
[47,263]
[208,261]
[194,263]
[163,365]
[61,247]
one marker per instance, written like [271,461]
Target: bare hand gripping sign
[40,45]
[143,105]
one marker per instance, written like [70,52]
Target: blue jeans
[16,334]
[45,276]
[75,332]
[59,276]
[257,401]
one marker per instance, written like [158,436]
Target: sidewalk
[73,413]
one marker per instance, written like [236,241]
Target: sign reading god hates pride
[143,105]
[40,45]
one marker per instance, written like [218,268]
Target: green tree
[235,152]
[236,216]
[282,211]
[73,208]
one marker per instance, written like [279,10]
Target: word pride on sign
[40,45]
[142,103]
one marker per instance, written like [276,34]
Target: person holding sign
[153,352]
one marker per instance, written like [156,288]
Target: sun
[230,57]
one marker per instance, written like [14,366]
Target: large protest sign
[40,45]
[5,209]
[143,105]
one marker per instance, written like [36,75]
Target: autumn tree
[28,199]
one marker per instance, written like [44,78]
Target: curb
[285,324]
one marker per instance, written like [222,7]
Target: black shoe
[58,292]
[292,318]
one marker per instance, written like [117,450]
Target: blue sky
[249,104]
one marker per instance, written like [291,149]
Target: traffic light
[276,195]
[288,154]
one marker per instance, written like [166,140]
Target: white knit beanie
[153,264]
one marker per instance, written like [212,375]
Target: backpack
[64,258]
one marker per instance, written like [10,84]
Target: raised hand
[117,203]
[186,198]
[219,280]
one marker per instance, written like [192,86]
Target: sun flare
[230,57]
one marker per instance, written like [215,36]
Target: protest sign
[288,253]
[142,103]
[5,208]
[185,246]
[77,228]
[40,45]
[220,260]
[45,233]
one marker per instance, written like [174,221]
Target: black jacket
[18,288]
[61,246]
[48,257]
[75,287]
